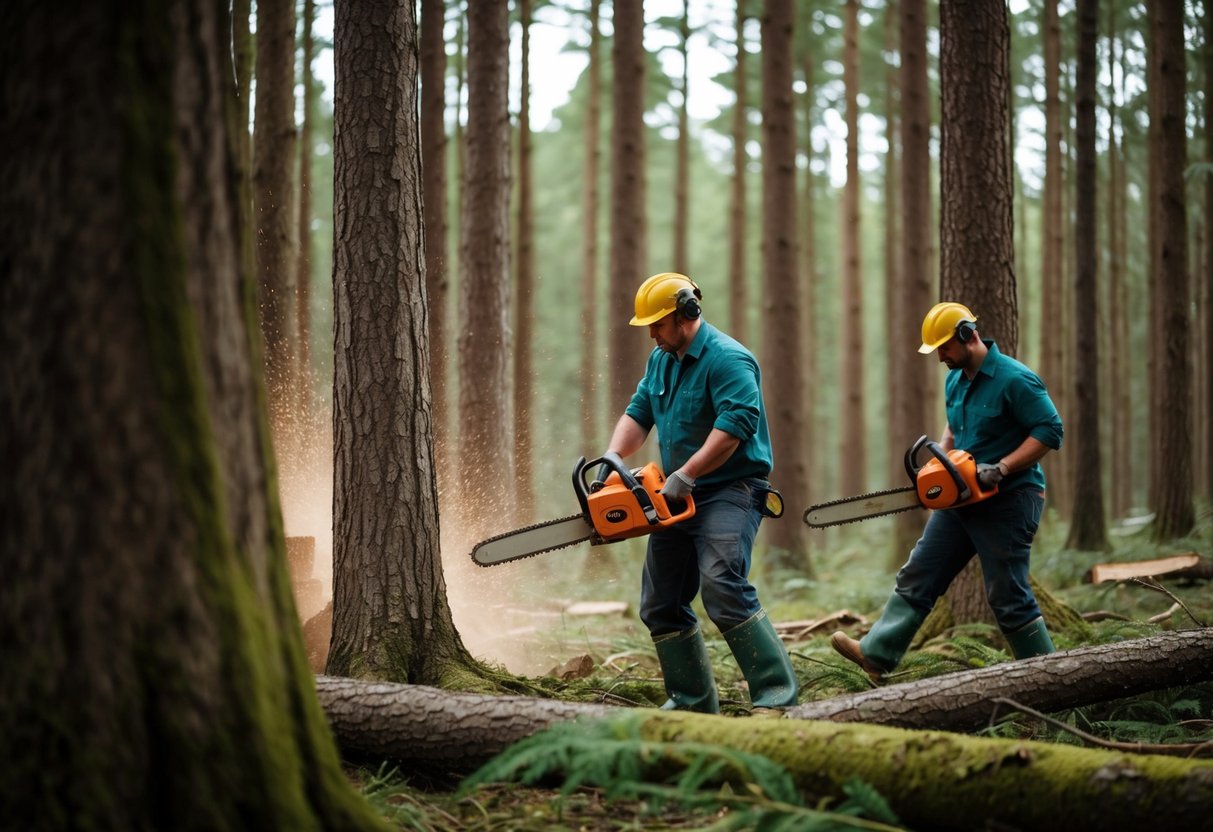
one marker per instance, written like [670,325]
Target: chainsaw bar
[853,509]
[532,540]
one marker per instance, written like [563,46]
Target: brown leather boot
[848,648]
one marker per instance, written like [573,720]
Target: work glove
[677,486]
[989,475]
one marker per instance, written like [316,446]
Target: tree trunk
[1087,527]
[484,339]
[809,283]
[1120,446]
[976,238]
[274,214]
[918,286]
[159,660]
[591,367]
[783,387]
[1172,498]
[303,260]
[524,287]
[629,256]
[390,614]
[893,471]
[739,302]
[853,458]
[434,191]
[1205,279]
[682,174]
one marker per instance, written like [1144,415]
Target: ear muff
[686,303]
[965,330]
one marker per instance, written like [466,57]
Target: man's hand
[989,476]
[677,486]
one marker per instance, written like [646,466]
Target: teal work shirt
[991,414]
[717,384]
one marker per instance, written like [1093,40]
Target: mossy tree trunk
[391,619]
[154,672]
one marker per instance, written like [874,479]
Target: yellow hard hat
[664,293]
[943,322]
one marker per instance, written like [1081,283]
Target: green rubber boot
[687,671]
[764,662]
[1030,640]
[890,636]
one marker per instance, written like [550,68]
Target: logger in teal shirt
[702,392]
[999,411]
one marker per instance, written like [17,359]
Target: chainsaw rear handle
[912,466]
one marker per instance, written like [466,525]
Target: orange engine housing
[937,487]
[616,513]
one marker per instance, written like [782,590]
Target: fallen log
[426,725]
[1069,679]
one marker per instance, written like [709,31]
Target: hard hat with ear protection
[945,321]
[664,293]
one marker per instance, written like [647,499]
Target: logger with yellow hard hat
[702,391]
[999,411]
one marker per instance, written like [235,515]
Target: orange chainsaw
[947,481]
[628,503]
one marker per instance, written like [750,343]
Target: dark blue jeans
[709,553]
[1000,532]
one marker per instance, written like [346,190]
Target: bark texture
[591,364]
[274,210]
[738,213]
[1087,527]
[524,288]
[390,613]
[434,185]
[629,254]
[976,241]
[484,337]
[1067,679]
[783,387]
[852,449]
[1172,497]
[154,675]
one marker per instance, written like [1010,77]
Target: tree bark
[852,447]
[152,655]
[303,260]
[1205,278]
[434,191]
[629,248]
[1172,497]
[591,365]
[1068,679]
[524,289]
[682,173]
[274,212]
[390,613]
[484,338]
[782,308]
[912,414]
[1087,526]
[739,303]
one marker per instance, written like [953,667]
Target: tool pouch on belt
[768,500]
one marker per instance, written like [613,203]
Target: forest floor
[538,620]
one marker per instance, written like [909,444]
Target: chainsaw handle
[616,464]
[912,466]
[688,509]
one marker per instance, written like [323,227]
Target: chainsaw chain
[513,532]
[856,499]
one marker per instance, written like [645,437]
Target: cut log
[597,608]
[1069,679]
[1188,565]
